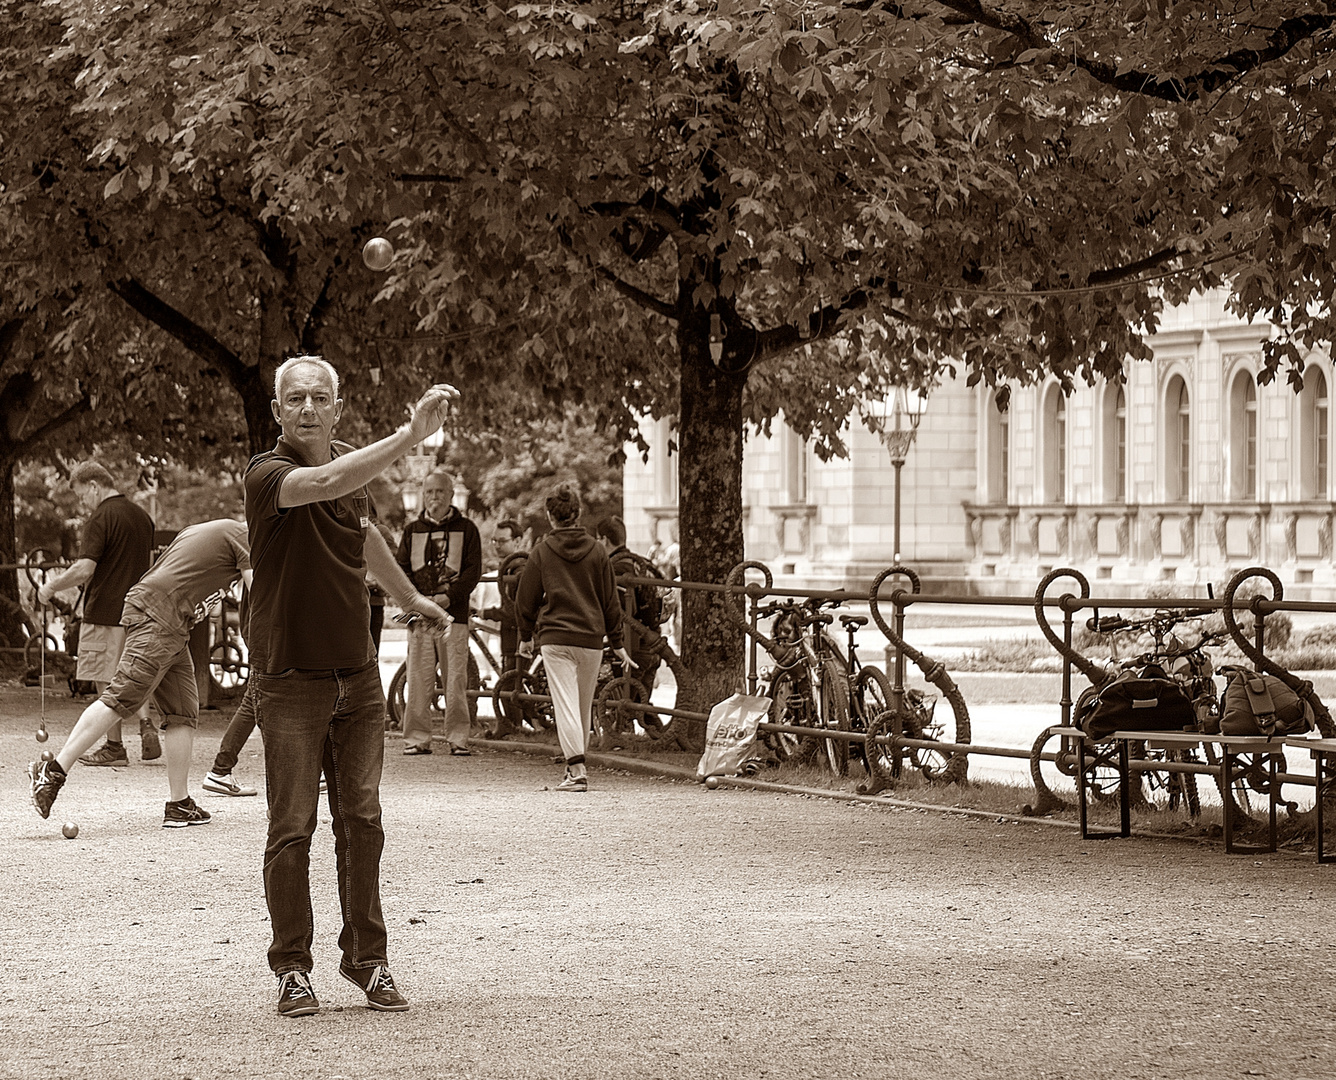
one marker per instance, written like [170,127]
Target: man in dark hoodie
[644,603]
[567,602]
[441,552]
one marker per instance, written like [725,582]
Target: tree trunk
[710,520]
[256,392]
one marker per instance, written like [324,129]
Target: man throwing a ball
[319,700]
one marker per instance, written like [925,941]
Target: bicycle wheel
[789,705]
[228,669]
[872,695]
[919,724]
[1183,786]
[394,697]
[882,760]
[835,715]
[608,719]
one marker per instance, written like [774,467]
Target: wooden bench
[1240,755]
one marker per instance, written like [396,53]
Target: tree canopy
[715,211]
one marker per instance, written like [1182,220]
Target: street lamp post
[896,423]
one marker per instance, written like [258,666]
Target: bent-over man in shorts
[160,610]
[114,551]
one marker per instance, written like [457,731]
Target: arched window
[1115,444]
[998,443]
[1177,442]
[1055,445]
[1314,433]
[1243,437]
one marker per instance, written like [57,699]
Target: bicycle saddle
[852,620]
[820,620]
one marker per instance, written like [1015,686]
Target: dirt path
[649,929]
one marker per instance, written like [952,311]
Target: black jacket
[443,559]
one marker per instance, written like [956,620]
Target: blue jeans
[330,721]
[238,731]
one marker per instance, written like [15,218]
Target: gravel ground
[650,929]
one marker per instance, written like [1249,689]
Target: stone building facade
[1183,474]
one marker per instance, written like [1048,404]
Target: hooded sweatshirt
[567,595]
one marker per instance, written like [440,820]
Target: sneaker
[223,784]
[151,745]
[183,813]
[378,985]
[295,996]
[573,783]
[47,778]
[112,754]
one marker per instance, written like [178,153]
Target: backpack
[1147,700]
[646,600]
[1258,704]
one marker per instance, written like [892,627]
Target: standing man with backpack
[643,603]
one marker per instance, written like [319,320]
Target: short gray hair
[291,362]
[91,472]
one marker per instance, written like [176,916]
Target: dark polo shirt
[310,607]
[119,538]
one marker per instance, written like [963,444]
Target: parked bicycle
[1173,643]
[813,683]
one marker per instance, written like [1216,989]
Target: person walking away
[567,602]
[644,603]
[319,703]
[115,550]
[160,609]
[441,552]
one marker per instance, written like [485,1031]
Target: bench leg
[1230,771]
[1325,778]
[1085,769]
[1124,789]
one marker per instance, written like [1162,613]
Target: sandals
[414,751]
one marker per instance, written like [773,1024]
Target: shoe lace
[380,980]
[296,984]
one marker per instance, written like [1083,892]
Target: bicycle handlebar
[1165,620]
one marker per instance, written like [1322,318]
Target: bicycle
[809,685]
[1183,659]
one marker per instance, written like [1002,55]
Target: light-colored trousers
[425,648]
[572,676]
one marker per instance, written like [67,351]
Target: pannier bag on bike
[1147,700]
[730,734]
[1257,704]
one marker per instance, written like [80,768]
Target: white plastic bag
[729,734]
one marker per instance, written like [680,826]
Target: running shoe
[46,778]
[183,813]
[151,745]
[112,754]
[223,784]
